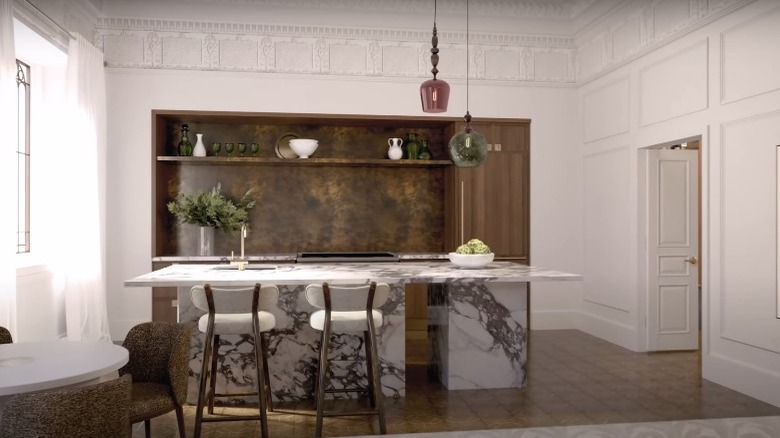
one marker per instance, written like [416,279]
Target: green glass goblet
[229,148]
[254,147]
[241,148]
[216,147]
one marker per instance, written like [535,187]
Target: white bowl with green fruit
[472,254]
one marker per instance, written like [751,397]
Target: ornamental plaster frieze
[144,24]
[170,44]
[636,27]
[498,8]
[628,31]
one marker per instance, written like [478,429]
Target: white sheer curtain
[8,171]
[78,258]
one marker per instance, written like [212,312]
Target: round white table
[37,366]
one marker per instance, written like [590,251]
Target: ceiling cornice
[551,9]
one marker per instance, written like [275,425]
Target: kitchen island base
[472,328]
[477,334]
[477,324]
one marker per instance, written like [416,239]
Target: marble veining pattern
[293,351]
[475,327]
[477,322]
[349,273]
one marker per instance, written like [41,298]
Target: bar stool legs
[213,375]
[233,321]
[321,376]
[346,319]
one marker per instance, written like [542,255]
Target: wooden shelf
[249,160]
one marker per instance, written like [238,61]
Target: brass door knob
[692,260]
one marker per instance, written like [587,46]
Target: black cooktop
[357,257]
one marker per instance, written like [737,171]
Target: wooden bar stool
[345,309]
[228,315]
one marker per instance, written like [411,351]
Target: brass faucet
[242,261]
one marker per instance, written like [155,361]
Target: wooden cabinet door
[493,199]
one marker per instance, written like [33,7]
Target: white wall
[719,82]
[40,307]
[133,93]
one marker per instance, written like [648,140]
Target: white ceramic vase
[200,149]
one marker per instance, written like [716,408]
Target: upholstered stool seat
[344,321]
[234,311]
[348,309]
[236,323]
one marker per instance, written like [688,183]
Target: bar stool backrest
[234,299]
[346,298]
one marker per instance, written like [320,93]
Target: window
[23,157]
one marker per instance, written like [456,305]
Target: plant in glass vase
[211,210]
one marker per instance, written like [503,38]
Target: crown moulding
[561,9]
[400,53]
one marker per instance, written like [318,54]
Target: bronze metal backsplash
[320,208]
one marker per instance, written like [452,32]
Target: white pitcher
[394,152]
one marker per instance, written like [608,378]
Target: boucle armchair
[5,336]
[159,356]
[92,411]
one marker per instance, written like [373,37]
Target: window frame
[23,158]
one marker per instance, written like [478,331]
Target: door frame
[642,216]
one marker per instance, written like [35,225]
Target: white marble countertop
[287,257]
[345,273]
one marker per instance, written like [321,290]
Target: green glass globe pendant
[468,148]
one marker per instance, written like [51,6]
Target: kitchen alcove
[348,196]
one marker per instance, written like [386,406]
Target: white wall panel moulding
[748,297]
[750,57]
[606,110]
[607,215]
[777,229]
[656,22]
[674,85]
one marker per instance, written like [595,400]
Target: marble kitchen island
[477,323]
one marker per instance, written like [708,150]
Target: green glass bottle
[425,153]
[412,147]
[185,147]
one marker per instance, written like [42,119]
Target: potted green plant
[210,210]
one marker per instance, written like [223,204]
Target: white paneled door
[673,294]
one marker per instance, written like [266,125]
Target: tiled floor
[574,378]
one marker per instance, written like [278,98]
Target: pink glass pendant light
[434,93]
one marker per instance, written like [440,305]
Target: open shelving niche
[347,197]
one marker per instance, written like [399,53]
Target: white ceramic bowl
[471,260]
[303,147]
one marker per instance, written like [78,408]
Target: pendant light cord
[467,117]
[468,61]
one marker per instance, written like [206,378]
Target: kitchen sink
[249,267]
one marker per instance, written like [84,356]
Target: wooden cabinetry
[492,202]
